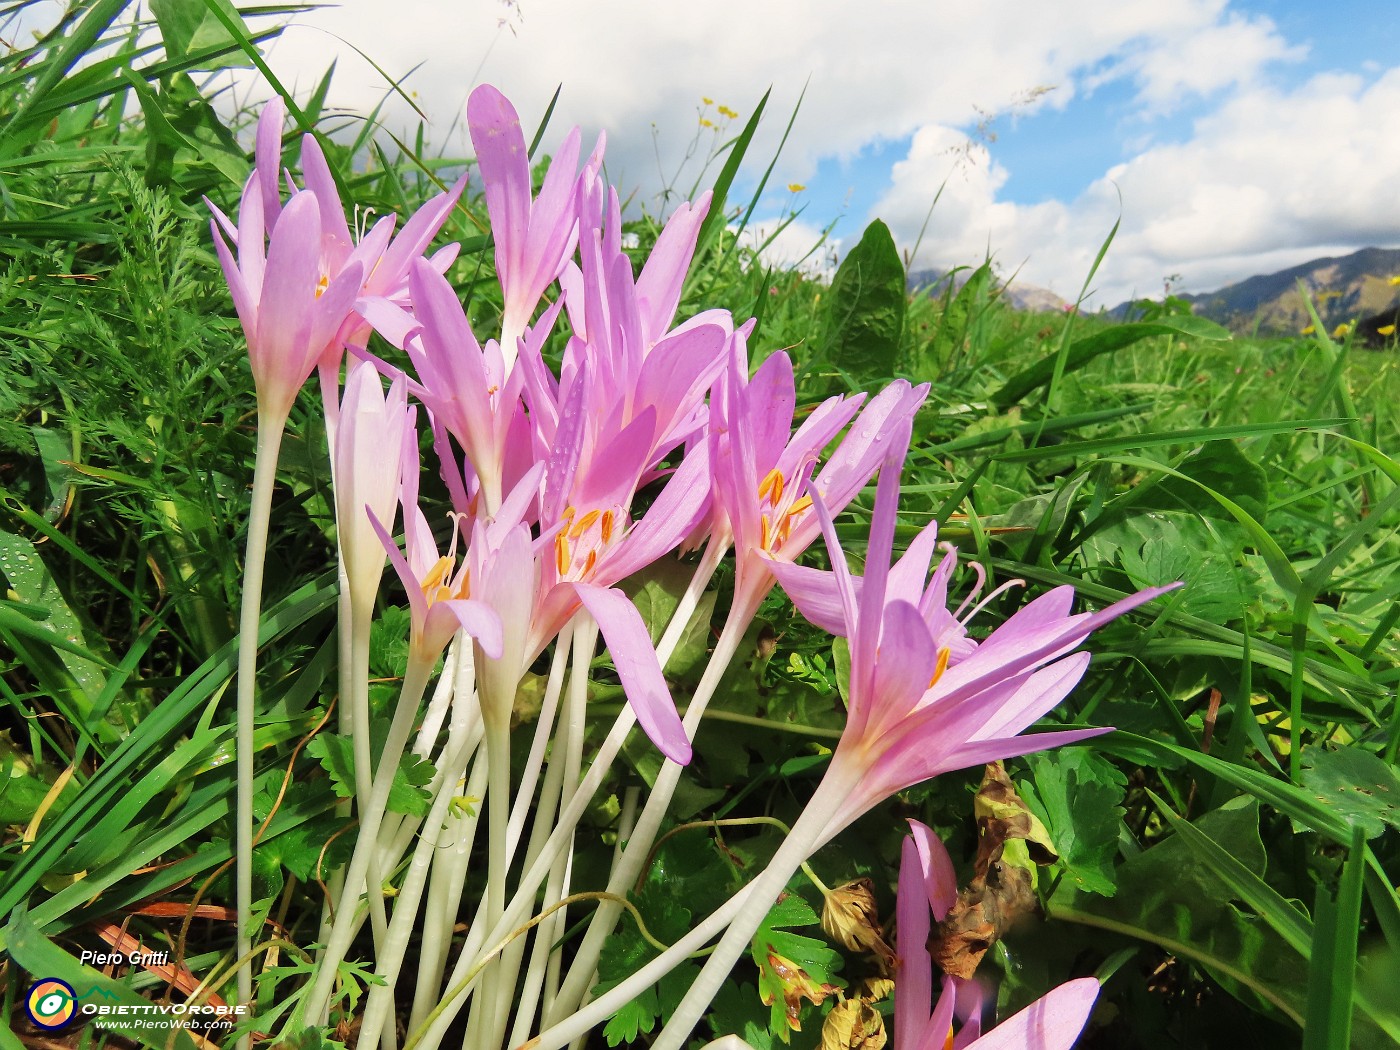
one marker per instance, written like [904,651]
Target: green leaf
[1359,787]
[865,309]
[38,955]
[188,26]
[1172,896]
[408,793]
[792,966]
[1078,795]
[336,753]
[1220,466]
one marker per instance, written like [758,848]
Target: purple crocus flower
[928,886]
[924,699]
[766,475]
[534,236]
[298,272]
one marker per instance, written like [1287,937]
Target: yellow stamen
[322,285]
[948,1043]
[562,555]
[763,536]
[607,526]
[589,562]
[436,575]
[799,506]
[771,486]
[578,528]
[943,655]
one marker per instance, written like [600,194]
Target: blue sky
[1230,138]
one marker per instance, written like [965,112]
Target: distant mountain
[1347,288]
[1017,294]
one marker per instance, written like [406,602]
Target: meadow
[1224,862]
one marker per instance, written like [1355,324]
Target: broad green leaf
[1361,788]
[1220,466]
[1172,897]
[865,308]
[187,26]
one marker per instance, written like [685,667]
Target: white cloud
[872,72]
[1268,174]
[1272,178]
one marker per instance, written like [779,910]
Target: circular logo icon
[50,1003]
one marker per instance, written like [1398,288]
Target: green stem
[270,429]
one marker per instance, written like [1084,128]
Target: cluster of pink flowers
[545,469]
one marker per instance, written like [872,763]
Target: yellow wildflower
[706,123]
[725,111]
[707,101]
[1386,330]
[796,187]
[1309,330]
[1395,280]
[1341,331]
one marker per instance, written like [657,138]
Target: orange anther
[578,528]
[942,665]
[771,486]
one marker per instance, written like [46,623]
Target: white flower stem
[447,880]
[599,1010]
[629,866]
[569,760]
[389,964]
[479,937]
[544,726]
[796,848]
[270,428]
[364,862]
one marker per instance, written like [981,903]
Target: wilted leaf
[1002,814]
[850,916]
[853,1024]
[1002,889]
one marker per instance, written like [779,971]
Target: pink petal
[815,593]
[914,989]
[268,156]
[940,881]
[481,622]
[1051,1023]
[634,656]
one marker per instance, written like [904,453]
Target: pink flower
[440,595]
[927,885]
[924,698]
[766,476]
[534,236]
[298,273]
